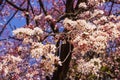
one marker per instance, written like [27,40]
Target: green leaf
[104,68]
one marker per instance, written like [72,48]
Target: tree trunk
[61,72]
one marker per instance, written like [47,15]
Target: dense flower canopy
[60,40]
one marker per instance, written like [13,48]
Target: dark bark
[69,6]
[61,72]
[1,1]
[42,6]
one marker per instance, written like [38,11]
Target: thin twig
[42,6]
[33,14]
[7,23]
[27,15]
[111,7]
[15,6]
[52,25]
[2,6]
[60,43]
[9,20]
[9,37]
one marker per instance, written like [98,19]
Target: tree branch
[65,56]
[33,14]
[73,15]
[9,20]
[15,6]
[52,25]
[2,6]
[1,1]
[27,15]
[69,6]
[42,6]
[9,37]
[7,23]
[111,7]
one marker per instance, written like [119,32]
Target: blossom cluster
[23,32]
[44,53]
[93,32]
[48,64]
[31,47]
[93,35]
[8,64]
[85,68]
[103,67]
[39,49]
[93,66]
